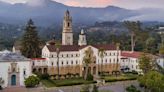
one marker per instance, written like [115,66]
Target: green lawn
[66,82]
[122,77]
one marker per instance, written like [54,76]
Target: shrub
[132,89]
[43,76]
[95,88]
[85,88]
[90,77]
[31,81]
[119,79]
[134,72]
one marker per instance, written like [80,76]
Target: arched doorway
[13,80]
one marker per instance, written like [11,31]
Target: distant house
[160,30]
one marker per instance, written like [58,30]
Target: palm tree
[117,62]
[86,61]
[1,83]
[101,54]
[133,27]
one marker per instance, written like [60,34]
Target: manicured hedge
[119,79]
[67,82]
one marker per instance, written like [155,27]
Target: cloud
[72,3]
[130,4]
[87,3]
[35,2]
[14,1]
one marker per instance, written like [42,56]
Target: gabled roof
[52,48]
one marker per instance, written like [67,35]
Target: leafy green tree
[32,81]
[133,27]
[146,63]
[153,81]
[95,88]
[30,41]
[151,46]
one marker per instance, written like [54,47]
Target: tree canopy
[30,41]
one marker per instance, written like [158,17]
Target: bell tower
[82,38]
[67,34]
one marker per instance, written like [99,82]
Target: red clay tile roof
[106,46]
[131,54]
[52,48]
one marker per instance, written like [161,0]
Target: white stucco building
[14,68]
[71,55]
[130,61]
[160,61]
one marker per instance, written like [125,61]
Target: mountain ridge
[51,12]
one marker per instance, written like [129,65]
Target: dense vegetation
[147,39]
[152,79]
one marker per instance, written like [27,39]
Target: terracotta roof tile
[131,54]
[106,46]
[52,48]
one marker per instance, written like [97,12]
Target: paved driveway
[113,87]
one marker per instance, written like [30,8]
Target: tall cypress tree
[30,41]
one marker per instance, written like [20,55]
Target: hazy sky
[131,4]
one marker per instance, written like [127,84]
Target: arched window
[24,72]
[68,24]
[62,62]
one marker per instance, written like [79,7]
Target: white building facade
[130,61]
[14,68]
[71,59]
[160,61]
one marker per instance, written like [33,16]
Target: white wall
[21,64]
[131,63]
[77,58]
[160,61]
